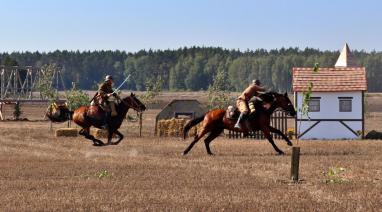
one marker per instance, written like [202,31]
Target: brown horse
[215,121]
[87,116]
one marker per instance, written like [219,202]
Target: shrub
[17,111]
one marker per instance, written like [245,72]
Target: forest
[191,68]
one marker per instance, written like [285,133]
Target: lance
[124,81]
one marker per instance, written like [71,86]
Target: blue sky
[47,25]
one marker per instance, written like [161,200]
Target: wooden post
[1,111]
[295,119]
[363,115]
[295,163]
[140,124]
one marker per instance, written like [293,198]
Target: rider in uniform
[242,101]
[107,96]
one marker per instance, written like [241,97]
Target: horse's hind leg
[274,130]
[210,138]
[96,142]
[196,139]
[82,132]
[86,134]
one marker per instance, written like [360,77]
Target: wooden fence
[279,120]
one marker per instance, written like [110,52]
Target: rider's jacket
[250,91]
[104,89]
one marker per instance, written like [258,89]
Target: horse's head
[283,101]
[133,102]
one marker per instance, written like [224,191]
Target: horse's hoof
[184,153]
[98,145]
[290,144]
[281,153]
[115,143]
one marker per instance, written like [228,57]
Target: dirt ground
[40,172]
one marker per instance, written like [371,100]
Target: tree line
[191,68]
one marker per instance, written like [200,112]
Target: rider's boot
[238,125]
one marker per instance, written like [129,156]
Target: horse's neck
[259,105]
[273,107]
[122,109]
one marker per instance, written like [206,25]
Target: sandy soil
[40,172]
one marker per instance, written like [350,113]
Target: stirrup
[237,126]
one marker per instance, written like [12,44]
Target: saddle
[98,101]
[233,112]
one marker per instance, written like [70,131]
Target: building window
[314,104]
[345,104]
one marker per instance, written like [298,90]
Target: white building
[336,108]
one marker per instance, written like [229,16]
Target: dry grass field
[40,172]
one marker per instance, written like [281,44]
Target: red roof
[330,79]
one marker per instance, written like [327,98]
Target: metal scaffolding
[21,83]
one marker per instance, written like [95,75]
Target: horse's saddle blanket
[233,113]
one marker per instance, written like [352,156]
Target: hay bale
[174,127]
[66,132]
[100,133]
[162,128]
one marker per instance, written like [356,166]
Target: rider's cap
[108,77]
[256,82]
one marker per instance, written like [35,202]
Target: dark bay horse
[87,116]
[58,113]
[214,122]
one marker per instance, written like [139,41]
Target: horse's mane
[273,93]
[119,103]
[270,95]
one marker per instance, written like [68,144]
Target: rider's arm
[102,91]
[260,88]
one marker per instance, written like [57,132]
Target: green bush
[77,98]
[17,111]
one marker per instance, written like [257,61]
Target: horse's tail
[190,124]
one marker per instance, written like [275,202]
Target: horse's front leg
[120,137]
[110,133]
[277,131]
[267,134]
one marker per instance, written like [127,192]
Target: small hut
[185,108]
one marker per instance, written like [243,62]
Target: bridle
[278,107]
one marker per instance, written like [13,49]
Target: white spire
[346,58]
